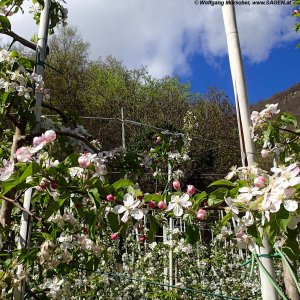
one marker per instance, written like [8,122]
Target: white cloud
[164,34]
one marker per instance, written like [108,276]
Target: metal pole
[239,85]
[123,129]
[171,225]
[39,69]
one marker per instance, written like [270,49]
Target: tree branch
[58,111]
[290,131]
[22,41]
[27,138]
[80,138]
[14,202]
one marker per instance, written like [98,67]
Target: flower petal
[128,200]
[294,220]
[170,206]
[118,209]
[186,203]
[178,211]
[184,198]
[290,205]
[135,204]
[137,214]
[124,219]
[275,205]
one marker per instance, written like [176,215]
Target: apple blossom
[176,185]
[50,136]
[110,198]
[260,181]
[23,154]
[130,208]
[143,238]
[114,236]
[54,185]
[191,190]
[152,204]
[178,203]
[38,140]
[7,170]
[162,205]
[201,213]
[265,153]
[86,159]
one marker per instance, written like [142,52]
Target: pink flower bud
[295,12]
[110,198]
[50,136]
[265,153]
[152,204]
[39,188]
[176,185]
[39,140]
[143,238]
[260,181]
[162,205]
[114,236]
[54,185]
[191,190]
[85,160]
[201,213]
[23,154]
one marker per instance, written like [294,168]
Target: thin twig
[26,138]
[14,202]
[290,131]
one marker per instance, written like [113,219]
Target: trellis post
[123,129]
[242,108]
[24,236]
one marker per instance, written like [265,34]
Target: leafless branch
[15,203]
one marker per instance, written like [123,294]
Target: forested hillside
[101,88]
[288,100]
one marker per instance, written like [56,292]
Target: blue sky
[177,37]
[279,72]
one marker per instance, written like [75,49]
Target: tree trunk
[290,287]
[6,207]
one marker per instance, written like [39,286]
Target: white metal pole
[239,85]
[39,69]
[171,225]
[123,129]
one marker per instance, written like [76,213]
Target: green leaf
[121,184]
[253,231]
[282,218]
[154,226]
[192,233]
[217,196]
[52,208]
[94,196]
[113,222]
[223,182]
[31,169]
[15,181]
[152,197]
[56,205]
[226,218]
[289,119]
[198,199]
[25,62]
[291,246]
[4,23]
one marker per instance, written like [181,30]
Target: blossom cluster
[20,81]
